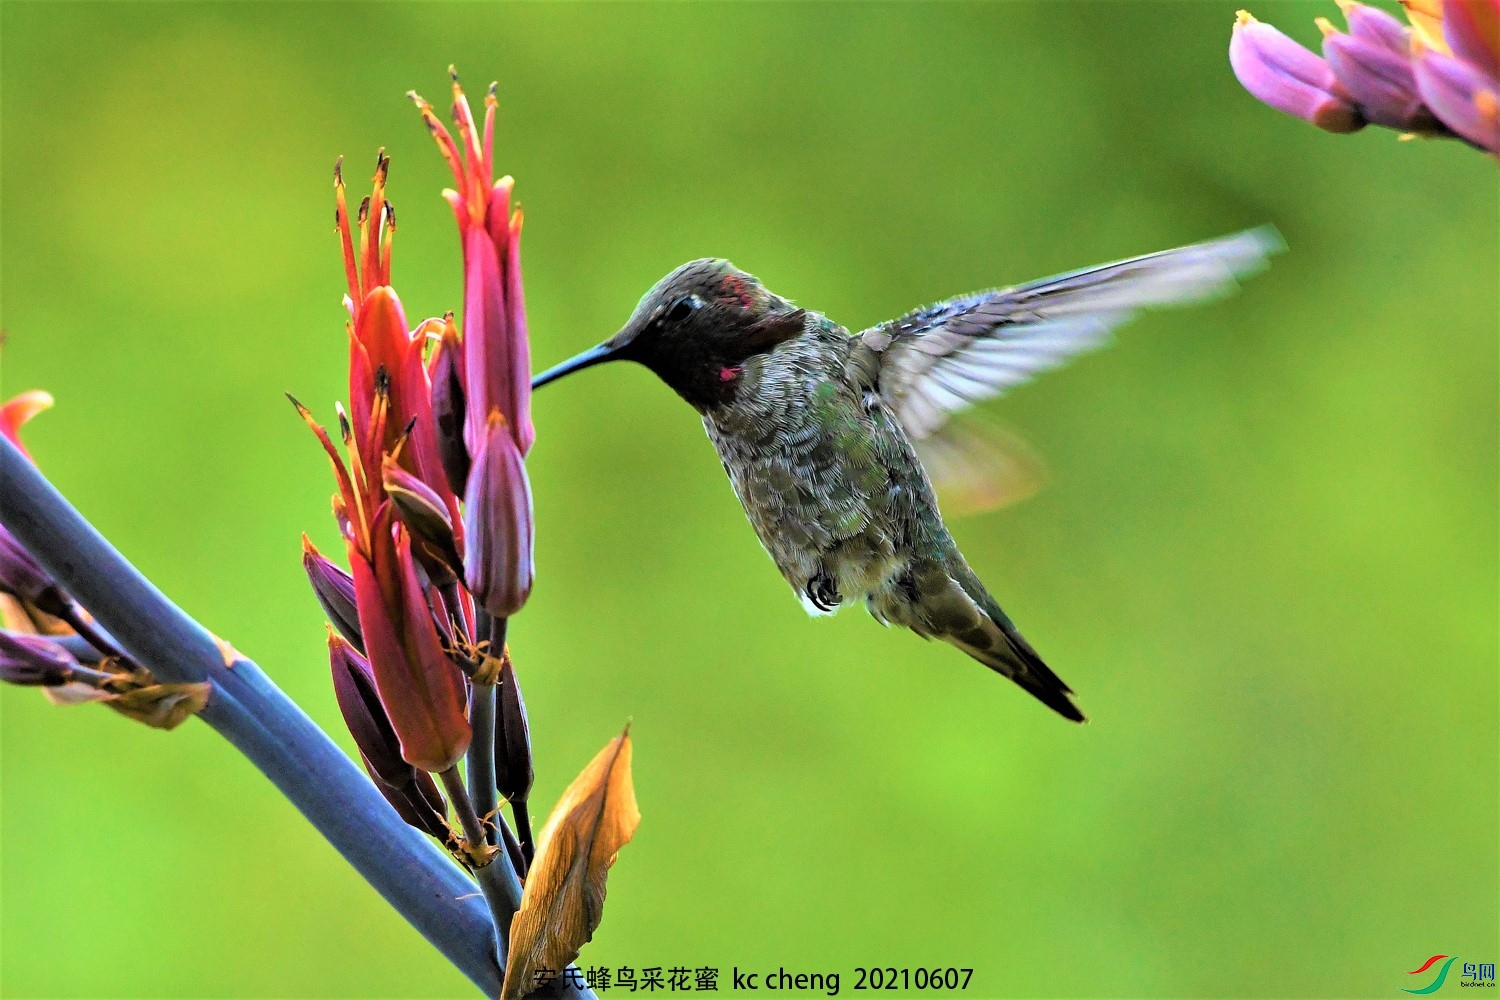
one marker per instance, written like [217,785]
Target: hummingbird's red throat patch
[728,374]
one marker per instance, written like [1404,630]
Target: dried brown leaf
[162,706]
[563,900]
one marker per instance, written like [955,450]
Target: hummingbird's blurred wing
[940,359]
[977,466]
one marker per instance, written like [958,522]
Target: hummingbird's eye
[681,309]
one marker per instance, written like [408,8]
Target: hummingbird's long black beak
[606,351]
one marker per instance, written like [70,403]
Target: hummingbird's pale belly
[830,558]
[811,465]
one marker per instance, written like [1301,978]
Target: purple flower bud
[412,793]
[23,578]
[497,523]
[513,773]
[418,803]
[33,660]
[1373,25]
[1461,97]
[1377,76]
[425,515]
[448,399]
[1288,77]
[334,589]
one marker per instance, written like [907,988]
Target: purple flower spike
[1378,77]
[34,661]
[1288,77]
[1461,96]
[497,523]
[334,590]
[412,793]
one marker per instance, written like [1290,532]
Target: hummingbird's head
[695,329]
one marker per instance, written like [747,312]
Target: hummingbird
[833,441]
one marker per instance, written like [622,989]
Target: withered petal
[563,898]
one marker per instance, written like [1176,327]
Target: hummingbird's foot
[823,593]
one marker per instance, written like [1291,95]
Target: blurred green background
[1266,558]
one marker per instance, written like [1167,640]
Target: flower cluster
[434,508]
[1439,77]
[434,511]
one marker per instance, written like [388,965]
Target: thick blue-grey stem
[247,709]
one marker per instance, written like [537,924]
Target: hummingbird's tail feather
[943,599]
[1009,654]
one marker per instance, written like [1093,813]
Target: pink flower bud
[1373,66]
[1461,96]
[498,524]
[1288,77]
[497,356]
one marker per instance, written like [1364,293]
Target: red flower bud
[390,397]
[15,412]
[422,690]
